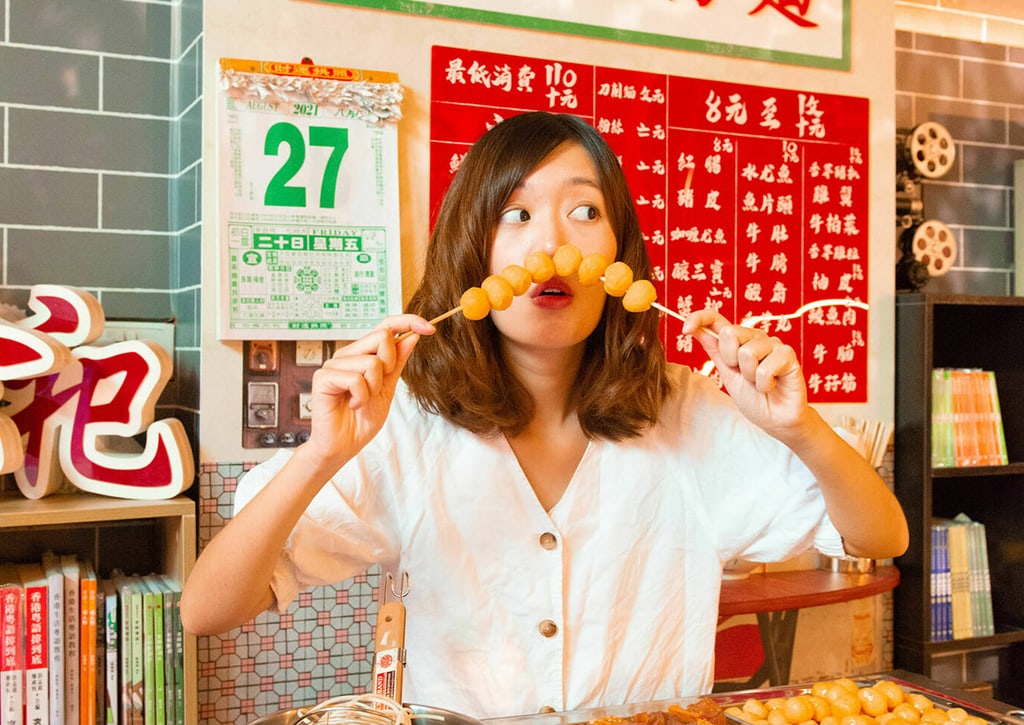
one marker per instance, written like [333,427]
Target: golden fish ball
[829,720]
[499,292]
[755,707]
[798,709]
[821,687]
[886,717]
[775,703]
[617,278]
[894,694]
[475,304]
[934,715]
[777,717]
[860,719]
[567,260]
[738,714]
[844,703]
[908,712]
[957,714]
[518,277]
[639,296]
[921,702]
[848,684]
[872,701]
[540,266]
[822,707]
[591,269]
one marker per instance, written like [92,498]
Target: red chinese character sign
[74,411]
[753,200]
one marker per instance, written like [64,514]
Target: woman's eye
[585,212]
[515,216]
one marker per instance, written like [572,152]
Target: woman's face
[559,202]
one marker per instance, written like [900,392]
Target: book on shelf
[87,643]
[961,592]
[111,654]
[132,651]
[72,638]
[942,620]
[966,419]
[37,634]
[176,647]
[55,617]
[12,647]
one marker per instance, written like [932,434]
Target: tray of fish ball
[874,700]
[870,700]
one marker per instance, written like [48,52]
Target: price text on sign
[309,201]
[753,200]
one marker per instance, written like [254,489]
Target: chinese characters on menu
[752,199]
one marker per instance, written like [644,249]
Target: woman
[561,498]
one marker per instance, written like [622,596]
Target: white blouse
[611,597]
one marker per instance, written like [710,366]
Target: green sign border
[440,10]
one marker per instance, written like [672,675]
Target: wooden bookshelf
[136,536]
[960,331]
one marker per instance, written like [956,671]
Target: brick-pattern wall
[976,91]
[100,116]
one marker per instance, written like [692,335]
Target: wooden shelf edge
[61,509]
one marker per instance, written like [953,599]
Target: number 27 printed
[279,191]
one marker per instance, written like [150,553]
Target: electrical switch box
[262,405]
[277,380]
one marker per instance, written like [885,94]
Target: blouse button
[548,540]
[548,628]
[546,709]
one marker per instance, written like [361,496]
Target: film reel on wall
[927,247]
[930,150]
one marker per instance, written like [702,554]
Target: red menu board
[753,200]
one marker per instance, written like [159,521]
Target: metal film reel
[934,246]
[931,149]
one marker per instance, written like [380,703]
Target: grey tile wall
[101,107]
[976,91]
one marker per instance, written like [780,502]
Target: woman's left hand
[761,373]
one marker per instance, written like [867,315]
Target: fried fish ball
[617,278]
[499,292]
[540,266]
[518,278]
[475,304]
[872,701]
[567,260]
[894,694]
[591,268]
[639,296]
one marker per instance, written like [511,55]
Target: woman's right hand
[352,391]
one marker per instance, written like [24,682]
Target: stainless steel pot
[447,717]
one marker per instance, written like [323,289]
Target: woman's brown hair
[460,372]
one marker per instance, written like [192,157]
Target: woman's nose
[550,236]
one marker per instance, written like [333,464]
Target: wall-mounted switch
[262,408]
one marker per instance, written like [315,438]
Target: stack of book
[967,424]
[84,650]
[961,588]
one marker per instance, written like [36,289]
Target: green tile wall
[100,109]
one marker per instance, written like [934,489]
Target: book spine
[178,649]
[55,615]
[72,640]
[997,420]
[87,646]
[37,632]
[112,699]
[12,653]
